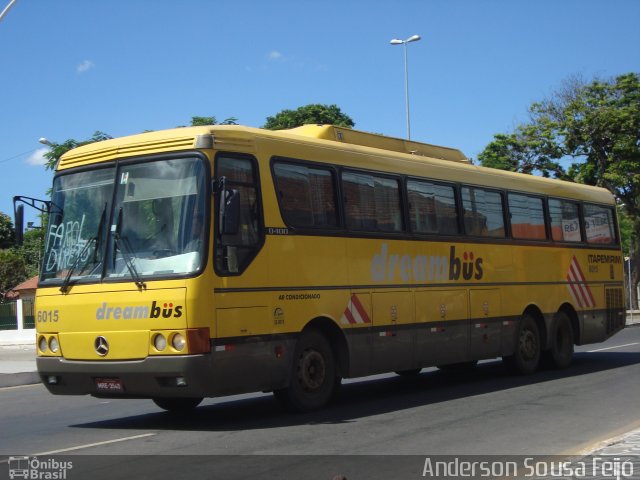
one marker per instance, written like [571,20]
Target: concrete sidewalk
[11,338]
[18,358]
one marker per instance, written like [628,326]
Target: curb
[19,379]
[9,338]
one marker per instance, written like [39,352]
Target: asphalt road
[487,412]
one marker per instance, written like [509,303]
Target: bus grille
[615,309]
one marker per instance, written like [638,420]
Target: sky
[71,67]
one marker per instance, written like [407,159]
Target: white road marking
[611,348]
[97,444]
[21,386]
[88,445]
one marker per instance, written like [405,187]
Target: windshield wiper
[64,288]
[121,243]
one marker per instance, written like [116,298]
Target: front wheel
[313,377]
[177,404]
[526,357]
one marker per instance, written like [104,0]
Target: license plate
[109,385]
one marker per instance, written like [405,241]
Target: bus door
[241,349]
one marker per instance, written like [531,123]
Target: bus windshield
[155,222]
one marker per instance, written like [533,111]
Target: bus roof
[365,139]
[444,162]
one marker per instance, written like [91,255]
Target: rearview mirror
[19,223]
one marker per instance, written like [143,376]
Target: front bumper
[146,378]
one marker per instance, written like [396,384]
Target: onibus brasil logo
[36,469]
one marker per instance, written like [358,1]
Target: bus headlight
[159,342]
[179,342]
[54,345]
[42,344]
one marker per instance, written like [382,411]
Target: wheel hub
[312,370]
[528,344]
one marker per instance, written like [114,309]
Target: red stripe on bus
[576,296]
[363,313]
[349,316]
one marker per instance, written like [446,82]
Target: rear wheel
[177,404]
[560,354]
[313,377]
[526,357]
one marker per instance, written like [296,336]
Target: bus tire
[560,354]
[313,377]
[177,404]
[526,357]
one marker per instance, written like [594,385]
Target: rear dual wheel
[560,354]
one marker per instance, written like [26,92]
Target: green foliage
[59,149]
[204,121]
[18,263]
[309,114]
[7,232]
[529,149]
[13,270]
[596,127]
[626,230]
[31,250]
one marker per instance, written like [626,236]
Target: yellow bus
[209,261]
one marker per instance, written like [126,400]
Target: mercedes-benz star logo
[101,345]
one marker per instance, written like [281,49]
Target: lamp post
[395,41]
[629,281]
[6,9]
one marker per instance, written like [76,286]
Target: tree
[31,249]
[17,263]
[521,152]
[204,121]
[596,127]
[313,113]
[59,149]
[12,271]
[7,232]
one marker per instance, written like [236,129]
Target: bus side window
[432,207]
[307,195]
[483,212]
[372,203]
[527,217]
[599,224]
[565,221]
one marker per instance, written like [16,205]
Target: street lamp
[6,9]
[395,41]
[44,141]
